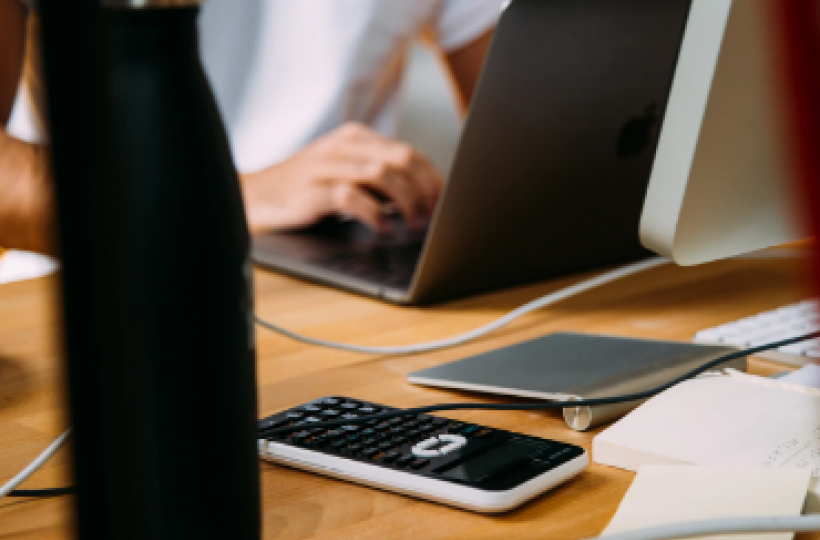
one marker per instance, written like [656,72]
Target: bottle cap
[150,4]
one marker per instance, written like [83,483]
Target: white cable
[552,298]
[694,529]
[12,484]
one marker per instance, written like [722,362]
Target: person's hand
[353,172]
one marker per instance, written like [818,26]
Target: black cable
[266,433]
[54,492]
[49,492]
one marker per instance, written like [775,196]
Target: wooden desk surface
[667,303]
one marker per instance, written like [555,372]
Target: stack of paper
[662,495]
[720,421]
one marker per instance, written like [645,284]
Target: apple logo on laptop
[635,135]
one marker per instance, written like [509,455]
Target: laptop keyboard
[391,265]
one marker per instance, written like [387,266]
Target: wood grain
[665,303]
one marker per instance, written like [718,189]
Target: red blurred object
[799,22]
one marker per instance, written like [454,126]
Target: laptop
[552,167]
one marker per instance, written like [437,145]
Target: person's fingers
[392,168]
[390,183]
[430,181]
[352,200]
[397,168]
[422,174]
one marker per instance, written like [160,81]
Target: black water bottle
[156,281]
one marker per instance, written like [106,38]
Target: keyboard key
[370,452]
[295,415]
[390,457]
[330,402]
[330,413]
[420,464]
[349,406]
[368,410]
[406,460]
[768,327]
[272,424]
[310,409]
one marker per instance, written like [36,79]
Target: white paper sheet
[20,265]
[808,375]
[661,495]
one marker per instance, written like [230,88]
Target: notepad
[662,495]
[720,421]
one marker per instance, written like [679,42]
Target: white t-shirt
[286,72]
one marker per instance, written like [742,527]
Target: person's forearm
[26,209]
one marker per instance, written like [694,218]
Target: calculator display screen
[489,462]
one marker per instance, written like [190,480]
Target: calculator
[465,465]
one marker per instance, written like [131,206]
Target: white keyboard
[782,323]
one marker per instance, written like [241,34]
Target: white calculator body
[438,459]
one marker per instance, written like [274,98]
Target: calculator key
[299,437]
[420,464]
[272,424]
[370,452]
[319,441]
[406,460]
[390,457]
